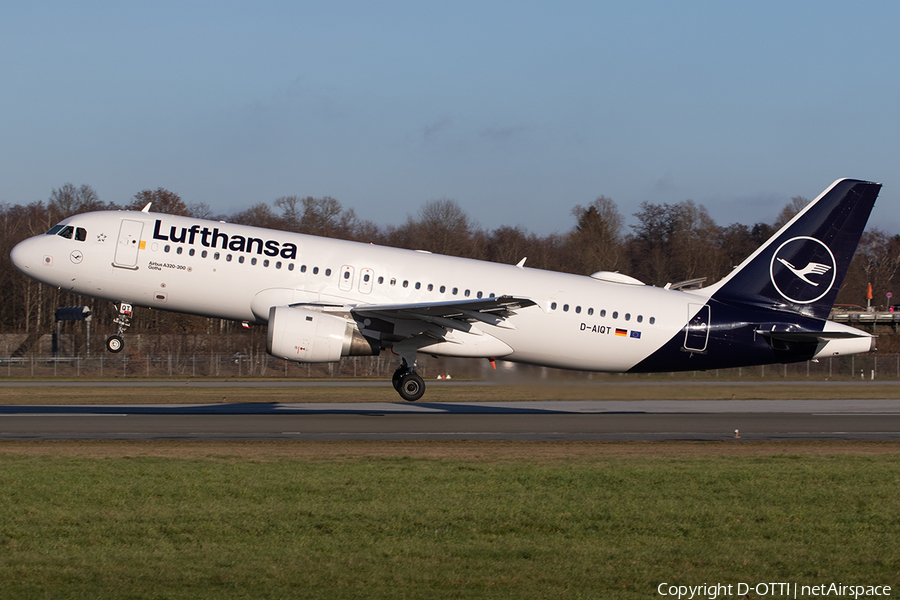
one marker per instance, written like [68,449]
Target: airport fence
[865,367]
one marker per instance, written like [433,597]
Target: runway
[641,420]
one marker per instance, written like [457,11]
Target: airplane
[322,299]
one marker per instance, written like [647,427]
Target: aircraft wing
[454,314]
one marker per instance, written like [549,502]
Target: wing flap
[455,314]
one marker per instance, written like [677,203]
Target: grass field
[438,392]
[440,519]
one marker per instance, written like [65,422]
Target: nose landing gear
[115,343]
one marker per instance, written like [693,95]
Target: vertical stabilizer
[801,268]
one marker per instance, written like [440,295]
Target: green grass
[350,526]
[437,392]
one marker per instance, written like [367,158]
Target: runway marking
[858,414]
[64,415]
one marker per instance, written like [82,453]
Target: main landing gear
[408,383]
[115,343]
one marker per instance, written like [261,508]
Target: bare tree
[68,200]
[258,215]
[675,241]
[291,211]
[162,201]
[790,210]
[326,217]
[596,242]
[442,227]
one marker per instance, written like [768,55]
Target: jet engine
[304,335]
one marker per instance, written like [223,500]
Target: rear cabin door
[697,334]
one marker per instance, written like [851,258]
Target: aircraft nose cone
[21,257]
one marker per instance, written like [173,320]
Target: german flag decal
[622,332]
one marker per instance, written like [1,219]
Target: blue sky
[516,110]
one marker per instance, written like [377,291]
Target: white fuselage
[238,272]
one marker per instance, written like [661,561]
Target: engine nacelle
[304,335]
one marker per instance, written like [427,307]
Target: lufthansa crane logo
[803,270]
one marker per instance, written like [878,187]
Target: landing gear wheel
[398,375]
[411,387]
[115,343]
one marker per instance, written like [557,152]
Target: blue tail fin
[801,268]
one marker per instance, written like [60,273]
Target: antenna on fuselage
[146,209]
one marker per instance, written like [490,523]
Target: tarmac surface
[645,420]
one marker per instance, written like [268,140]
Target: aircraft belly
[464,345]
[575,344]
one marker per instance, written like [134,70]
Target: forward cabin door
[128,244]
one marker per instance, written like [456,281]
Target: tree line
[668,243]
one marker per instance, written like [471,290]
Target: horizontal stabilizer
[810,336]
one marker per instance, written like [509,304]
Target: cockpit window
[67,231]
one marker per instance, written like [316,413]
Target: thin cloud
[431,131]
[502,134]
